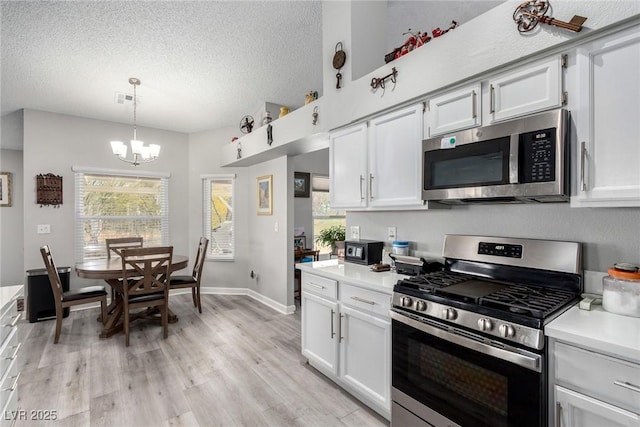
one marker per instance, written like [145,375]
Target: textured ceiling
[203,65]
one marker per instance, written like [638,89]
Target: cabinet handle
[627,385]
[332,331]
[15,353]
[492,100]
[474,113]
[363,300]
[583,162]
[314,285]
[15,383]
[370,186]
[14,323]
[361,181]
[340,327]
[558,414]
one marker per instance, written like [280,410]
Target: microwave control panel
[537,156]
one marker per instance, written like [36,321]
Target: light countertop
[599,330]
[8,293]
[360,275]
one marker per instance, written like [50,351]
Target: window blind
[218,217]
[111,205]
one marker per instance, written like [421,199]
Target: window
[218,215]
[113,204]
[323,215]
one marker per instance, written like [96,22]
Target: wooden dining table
[110,270]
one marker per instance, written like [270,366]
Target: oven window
[469,165]
[466,386]
[479,385]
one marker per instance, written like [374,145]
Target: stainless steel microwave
[524,160]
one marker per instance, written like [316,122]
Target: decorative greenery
[329,235]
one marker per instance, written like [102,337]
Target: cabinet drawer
[9,382]
[365,299]
[9,412]
[8,351]
[8,320]
[319,285]
[612,380]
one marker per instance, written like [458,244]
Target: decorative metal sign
[529,13]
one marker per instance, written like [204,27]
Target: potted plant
[333,237]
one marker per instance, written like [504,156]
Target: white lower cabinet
[365,356]
[345,336]
[592,389]
[318,337]
[578,410]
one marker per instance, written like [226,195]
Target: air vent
[125,98]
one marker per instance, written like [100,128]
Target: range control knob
[485,324]
[506,330]
[449,314]
[406,302]
[421,305]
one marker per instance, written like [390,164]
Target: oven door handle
[520,357]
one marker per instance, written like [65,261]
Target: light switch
[355,232]
[275,227]
[391,233]
[44,228]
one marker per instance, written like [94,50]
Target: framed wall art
[301,184]
[6,184]
[265,195]
[300,243]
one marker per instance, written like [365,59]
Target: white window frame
[81,171]
[207,180]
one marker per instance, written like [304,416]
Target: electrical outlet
[355,232]
[391,233]
[44,228]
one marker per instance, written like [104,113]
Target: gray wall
[609,235]
[204,159]
[11,222]
[53,143]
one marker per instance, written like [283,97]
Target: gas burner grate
[436,280]
[531,301]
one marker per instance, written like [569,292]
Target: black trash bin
[40,302]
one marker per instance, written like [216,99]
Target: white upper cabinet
[378,166]
[395,158]
[348,167]
[454,111]
[530,89]
[607,118]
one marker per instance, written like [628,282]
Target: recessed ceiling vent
[125,99]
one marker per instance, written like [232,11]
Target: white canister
[621,290]
[400,248]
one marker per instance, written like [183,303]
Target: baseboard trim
[209,290]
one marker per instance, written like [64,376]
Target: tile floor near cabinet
[237,363]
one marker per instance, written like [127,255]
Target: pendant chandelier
[141,153]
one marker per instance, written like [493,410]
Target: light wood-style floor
[237,363]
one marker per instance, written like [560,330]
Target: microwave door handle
[514,146]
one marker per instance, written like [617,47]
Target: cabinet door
[577,410]
[348,167]
[365,355]
[454,111]
[395,158]
[607,121]
[319,331]
[527,90]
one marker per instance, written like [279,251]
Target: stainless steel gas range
[468,342]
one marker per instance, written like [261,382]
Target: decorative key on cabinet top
[339,59]
[529,13]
